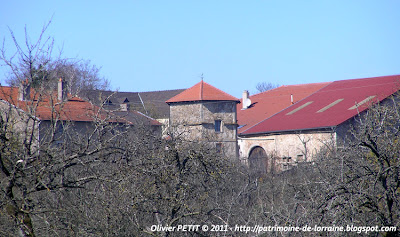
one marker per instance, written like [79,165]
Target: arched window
[258,160]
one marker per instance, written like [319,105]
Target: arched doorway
[258,160]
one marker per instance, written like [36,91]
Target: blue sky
[158,45]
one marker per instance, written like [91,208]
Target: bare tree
[304,142]
[369,171]
[79,75]
[109,178]
[265,86]
[38,161]
[42,67]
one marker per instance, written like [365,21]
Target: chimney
[61,92]
[246,102]
[24,90]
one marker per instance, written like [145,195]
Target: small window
[286,163]
[218,147]
[58,134]
[285,167]
[300,158]
[59,128]
[218,126]
[287,159]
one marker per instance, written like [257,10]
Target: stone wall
[195,121]
[287,149]
[20,125]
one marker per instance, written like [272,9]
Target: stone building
[206,114]
[150,104]
[322,119]
[47,113]
[262,106]
[270,102]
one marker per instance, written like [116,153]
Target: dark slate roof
[135,117]
[330,106]
[99,97]
[153,101]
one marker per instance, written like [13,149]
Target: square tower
[205,114]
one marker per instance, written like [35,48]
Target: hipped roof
[202,91]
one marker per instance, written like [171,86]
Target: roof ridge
[373,77]
[348,91]
[158,90]
[297,85]
[201,89]
[287,108]
[135,92]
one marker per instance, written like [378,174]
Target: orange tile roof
[47,107]
[200,92]
[270,102]
[74,109]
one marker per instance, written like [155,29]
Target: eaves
[328,129]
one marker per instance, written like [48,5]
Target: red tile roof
[47,107]
[74,109]
[330,106]
[270,102]
[200,92]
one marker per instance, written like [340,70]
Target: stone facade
[284,150]
[212,122]
[19,125]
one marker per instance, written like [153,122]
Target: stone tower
[206,114]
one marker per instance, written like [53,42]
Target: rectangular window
[300,158]
[218,126]
[286,162]
[58,134]
[218,147]
[286,159]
